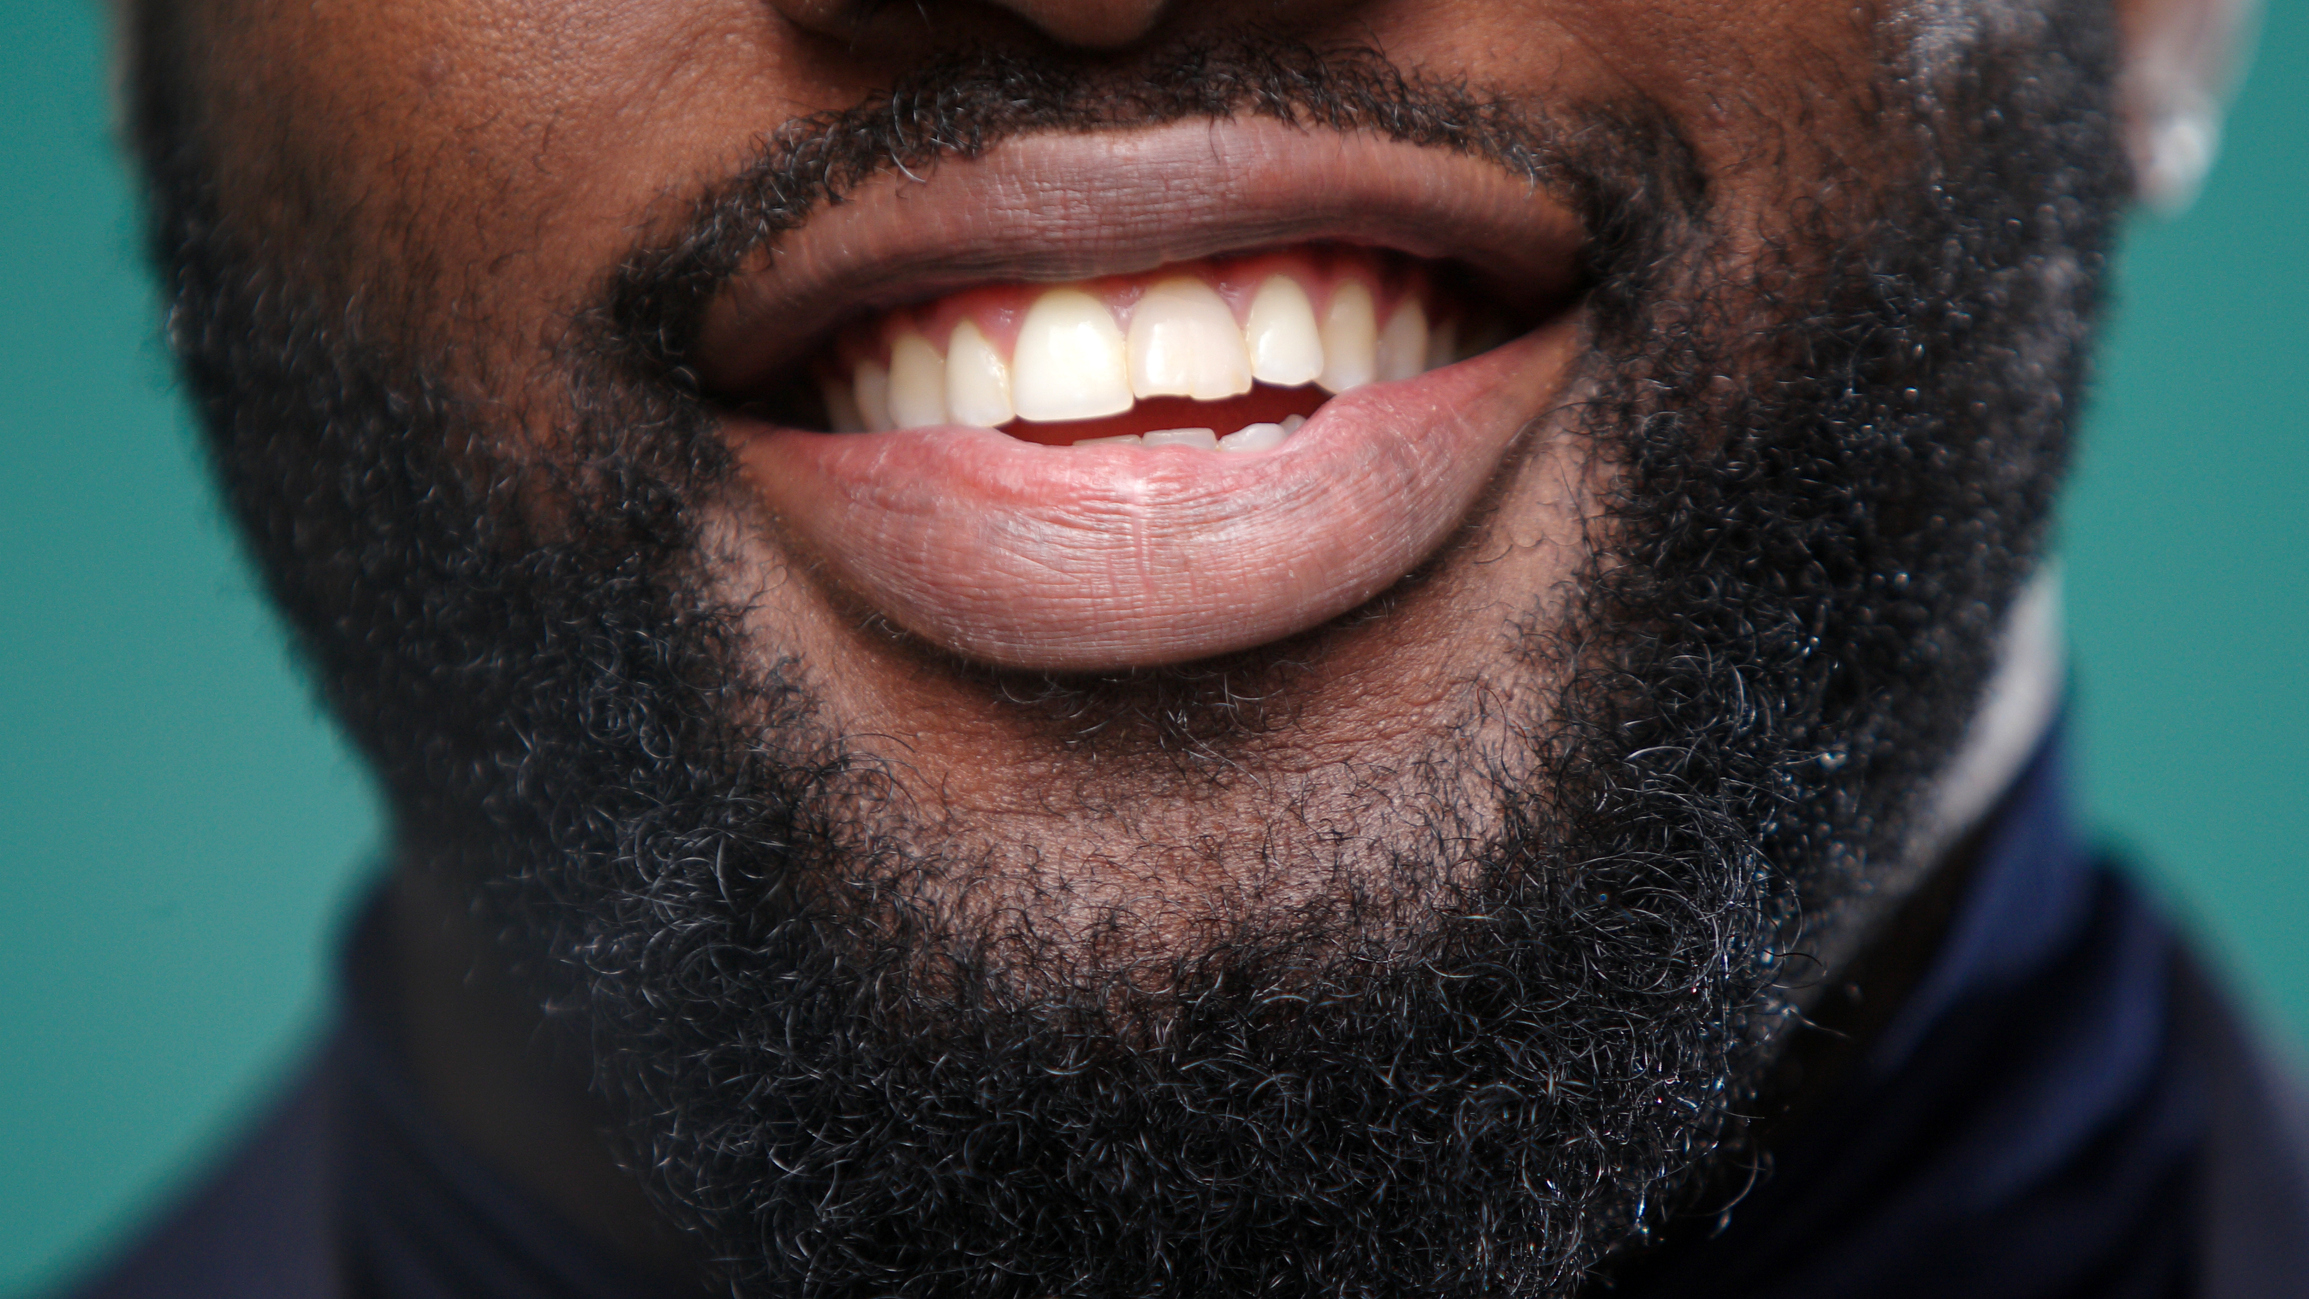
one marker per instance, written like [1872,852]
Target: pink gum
[998,309]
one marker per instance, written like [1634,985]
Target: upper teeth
[1285,348]
[977,379]
[1074,360]
[1350,339]
[1069,363]
[1185,343]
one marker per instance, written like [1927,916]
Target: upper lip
[1052,207]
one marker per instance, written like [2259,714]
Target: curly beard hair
[1521,1029]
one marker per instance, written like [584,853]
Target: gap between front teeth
[1073,361]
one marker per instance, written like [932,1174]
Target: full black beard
[1485,1072]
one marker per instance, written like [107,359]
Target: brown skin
[488,161]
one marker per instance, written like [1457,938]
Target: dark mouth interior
[1264,403]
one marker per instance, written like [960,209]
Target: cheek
[1767,93]
[497,153]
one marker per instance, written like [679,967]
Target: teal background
[180,830]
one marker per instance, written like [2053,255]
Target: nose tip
[1088,24]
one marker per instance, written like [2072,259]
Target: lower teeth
[1250,437]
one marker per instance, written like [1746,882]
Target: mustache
[1607,162]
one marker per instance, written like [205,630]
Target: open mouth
[1098,402]
[1223,354]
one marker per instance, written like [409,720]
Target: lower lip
[1108,557]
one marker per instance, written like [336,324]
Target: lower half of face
[1086,732]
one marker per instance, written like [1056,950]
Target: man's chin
[1421,1087]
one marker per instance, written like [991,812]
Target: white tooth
[1286,349]
[1184,342]
[842,414]
[917,382]
[873,386]
[1350,338]
[1070,362]
[977,379]
[1442,345]
[1183,437]
[1291,423]
[1402,348]
[1255,437]
[1126,439]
